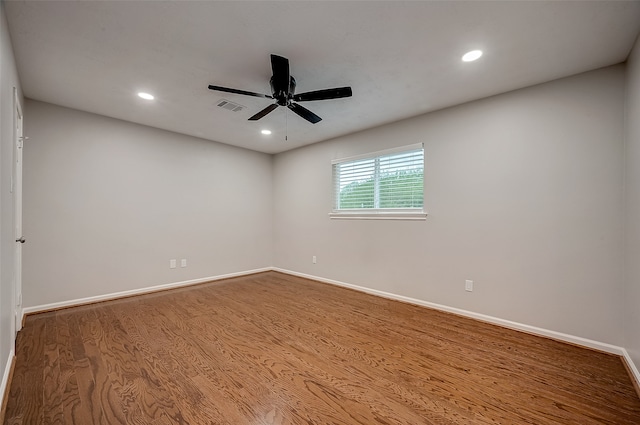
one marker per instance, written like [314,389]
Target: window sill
[359,215]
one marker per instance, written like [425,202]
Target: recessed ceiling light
[472,55]
[146,96]
[266,132]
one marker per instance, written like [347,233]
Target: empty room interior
[312,212]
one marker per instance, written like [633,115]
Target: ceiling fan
[283,87]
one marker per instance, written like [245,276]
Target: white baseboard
[584,342]
[5,378]
[633,370]
[123,294]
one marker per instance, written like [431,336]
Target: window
[387,184]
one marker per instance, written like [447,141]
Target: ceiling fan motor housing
[283,98]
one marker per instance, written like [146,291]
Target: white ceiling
[402,59]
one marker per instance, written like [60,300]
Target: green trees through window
[402,189]
[391,181]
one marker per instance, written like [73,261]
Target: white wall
[8,80]
[524,193]
[108,203]
[632,183]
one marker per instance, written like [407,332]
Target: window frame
[375,213]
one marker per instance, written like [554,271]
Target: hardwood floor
[276,349]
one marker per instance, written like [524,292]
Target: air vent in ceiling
[230,106]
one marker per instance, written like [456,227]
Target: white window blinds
[391,180]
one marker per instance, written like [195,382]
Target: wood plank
[52,381]
[73,410]
[277,349]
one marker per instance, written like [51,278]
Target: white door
[17,197]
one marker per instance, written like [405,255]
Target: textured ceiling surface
[402,59]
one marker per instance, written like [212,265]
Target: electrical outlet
[468,285]
[183,262]
[172,264]
[313,259]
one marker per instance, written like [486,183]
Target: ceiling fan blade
[280,67]
[264,112]
[324,94]
[236,91]
[304,113]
